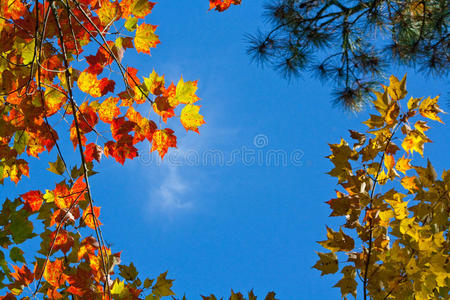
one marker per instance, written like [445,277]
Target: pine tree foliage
[352,42]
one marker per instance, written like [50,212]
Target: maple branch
[369,250]
[36,35]
[71,30]
[106,47]
[49,253]
[49,128]
[87,123]
[80,146]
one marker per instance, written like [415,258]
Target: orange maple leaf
[221,5]
[65,199]
[121,150]
[108,110]
[22,275]
[137,8]
[88,218]
[54,273]
[143,129]
[88,247]
[12,9]
[93,151]
[61,241]
[33,200]
[162,140]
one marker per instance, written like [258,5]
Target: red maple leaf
[33,200]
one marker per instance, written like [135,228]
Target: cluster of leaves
[43,44]
[37,81]
[341,41]
[397,211]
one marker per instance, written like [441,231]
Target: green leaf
[3,263]
[21,139]
[328,263]
[21,228]
[57,167]
[16,255]
[8,208]
[347,284]
[148,283]
[131,23]
[162,286]
[236,296]
[128,273]
[271,296]
[4,239]
[46,242]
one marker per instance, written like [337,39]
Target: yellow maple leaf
[389,161]
[397,89]
[429,109]
[409,183]
[155,83]
[337,241]
[185,92]
[88,83]
[409,227]
[347,284]
[400,208]
[190,118]
[146,38]
[413,103]
[108,12]
[415,141]
[421,126]
[403,165]
[108,110]
[392,114]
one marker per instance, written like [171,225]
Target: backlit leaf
[327,264]
[145,38]
[397,89]
[190,118]
[430,109]
[53,273]
[162,286]
[57,167]
[33,200]
[89,219]
[162,140]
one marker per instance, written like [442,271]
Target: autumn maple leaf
[146,38]
[33,200]
[162,140]
[221,5]
[22,275]
[190,118]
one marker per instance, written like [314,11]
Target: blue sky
[240,224]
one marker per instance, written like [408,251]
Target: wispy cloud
[173,194]
[178,186]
